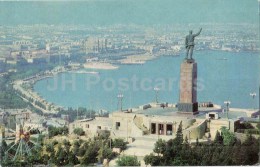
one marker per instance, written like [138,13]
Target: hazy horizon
[143,12]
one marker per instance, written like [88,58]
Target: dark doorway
[161,129]
[117,125]
[212,116]
[169,129]
[153,128]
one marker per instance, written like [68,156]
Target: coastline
[100,66]
[138,59]
[28,94]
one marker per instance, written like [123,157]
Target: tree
[75,147]
[178,162]
[160,146]
[61,157]
[223,158]
[45,159]
[218,139]
[78,131]
[228,137]
[35,157]
[83,148]
[229,152]
[179,136]
[177,141]
[3,148]
[128,161]
[205,152]
[239,154]
[90,155]
[197,142]
[119,143]
[152,160]
[73,160]
[170,151]
[251,147]
[185,154]
[258,125]
[53,157]
[105,153]
[54,131]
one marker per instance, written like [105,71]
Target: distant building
[11,61]
[47,48]
[212,115]
[95,45]
[92,127]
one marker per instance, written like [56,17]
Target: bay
[221,76]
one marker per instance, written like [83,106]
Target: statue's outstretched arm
[198,32]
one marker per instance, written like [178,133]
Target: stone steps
[141,146]
[138,121]
[138,151]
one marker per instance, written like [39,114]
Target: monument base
[189,60]
[188,107]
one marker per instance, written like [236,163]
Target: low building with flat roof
[162,122]
[92,127]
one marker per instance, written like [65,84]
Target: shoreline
[138,59]
[100,66]
[110,66]
[31,96]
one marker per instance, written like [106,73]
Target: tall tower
[188,87]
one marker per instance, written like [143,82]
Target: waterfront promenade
[25,91]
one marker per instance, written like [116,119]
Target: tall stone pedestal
[188,87]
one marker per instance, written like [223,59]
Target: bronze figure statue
[189,43]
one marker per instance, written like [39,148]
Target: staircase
[138,121]
[141,146]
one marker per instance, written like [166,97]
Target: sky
[144,12]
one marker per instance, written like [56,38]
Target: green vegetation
[40,105]
[8,96]
[77,113]
[10,99]
[128,161]
[119,143]
[78,131]
[258,125]
[54,131]
[65,153]
[160,147]
[248,128]
[228,138]
[249,131]
[224,150]
[245,125]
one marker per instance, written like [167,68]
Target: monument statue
[188,79]
[189,43]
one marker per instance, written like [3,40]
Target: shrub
[119,143]
[79,131]
[128,161]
